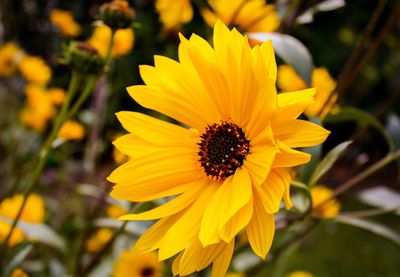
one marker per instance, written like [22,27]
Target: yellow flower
[65,22]
[230,168]
[98,239]
[319,195]
[115,211]
[246,16]
[71,130]
[56,95]
[133,263]
[288,80]
[33,212]
[174,13]
[39,108]
[300,274]
[10,53]
[123,40]
[16,237]
[35,70]
[118,156]
[19,273]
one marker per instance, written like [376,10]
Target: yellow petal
[155,131]
[180,235]
[236,192]
[288,157]
[237,222]
[264,62]
[221,263]
[260,230]
[300,133]
[151,177]
[171,207]
[259,162]
[292,104]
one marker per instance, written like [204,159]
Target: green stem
[82,97]
[42,158]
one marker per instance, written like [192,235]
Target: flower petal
[171,207]
[237,222]
[292,104]
[300,133]
[259,162]
[221,263]
[261,229]
[288,157]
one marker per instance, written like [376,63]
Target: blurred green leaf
[133,227]
[328,161]
[324,6]
[291,50]
[372,227]
[393,129]
[382,197]
[17,260]
[362,118]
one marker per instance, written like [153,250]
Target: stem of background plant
[43,155]
[100,106]
[392,156]
[106,247]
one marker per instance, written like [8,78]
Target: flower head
[123,41]
[33,212]
[133,263]
[117,14]
[19,273]
[35,70]
[174,13]
[288,80]
[10,54]
[230,168]
[65,22]
[247,16]
[71,130]
[321,194]
[300,273]
[98,239]
[39,108]
[56,95]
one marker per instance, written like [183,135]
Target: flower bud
[84,58]
[117,14]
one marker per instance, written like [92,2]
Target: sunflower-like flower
[10,54]
[71,130]
[323,207]
[288,80]
[134,263]
[247,16]
[228,165]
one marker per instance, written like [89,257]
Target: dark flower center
[222,150]
[147,271]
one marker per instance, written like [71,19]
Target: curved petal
[261,229]
[156,131]
[180,234]
[288,157]
[236,192]
[300,133]
[221,263]
[292,104]
[259,162]
[171,207]
[264,62]
[237,222]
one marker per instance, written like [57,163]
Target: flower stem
[100,105]
[42,157]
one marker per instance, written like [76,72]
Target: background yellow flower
[123,41]
[10,54]
[71,130]
[247,16]
[134,263]
[98,239]
[319,195]
[65,22]
[35,70]
[174,13]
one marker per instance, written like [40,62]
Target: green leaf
[362,118]
[328,161]
[290,50]
[393,129]
[18,259]
[372,227]
[40,232]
